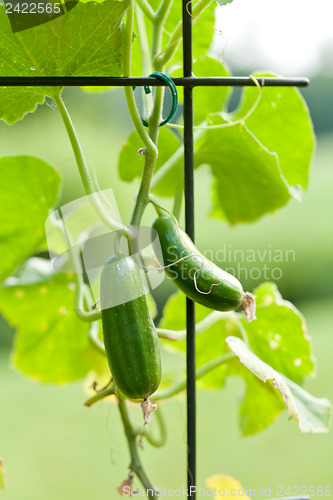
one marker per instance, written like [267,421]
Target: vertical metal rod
[189,220]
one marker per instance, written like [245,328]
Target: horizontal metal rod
[190,81]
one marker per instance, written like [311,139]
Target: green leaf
[279,335]
[51,343]
[130,165]
[209,344]
[29,187]
[2,477]
[208,99]
[87,41]
[261,404]
[212,99]
[15,102]
[247,178]
[312,414]
[203,31]
[282,123]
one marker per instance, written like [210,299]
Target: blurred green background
[55,448]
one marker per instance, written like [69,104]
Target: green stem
[242,331]
[177,204]
[200,372]
[94,338]
[159,441]
[154,120]
[145,57]
[146,9]
[163,57]
[91,189]
[162,173]
[100,395]
[142,199]
[202,326]
[81,290]
[151,150]
[135,465]
[156,45]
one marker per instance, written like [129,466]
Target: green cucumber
[197,277]
[130,337]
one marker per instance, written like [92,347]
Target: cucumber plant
[256,166]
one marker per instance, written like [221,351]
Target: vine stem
[178,200]
[151,149]
[145,56]
[159,441]
[164,56]
[202,326]
[200,372]
[100,395]
[156,45]
[143,431]
[135,465]
[170,391]
[81,291]
[146,9]
[149,139]
[171,162]
[91,188]
[94,339]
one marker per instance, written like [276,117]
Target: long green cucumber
[200,279]
[130,338]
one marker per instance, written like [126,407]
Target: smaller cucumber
[130,337]
[200,279]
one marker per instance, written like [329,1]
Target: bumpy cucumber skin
[130,337]
[175,244]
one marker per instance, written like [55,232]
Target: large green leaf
[282,123]
[312,414]
[15,102]
[203,31]
[87,41]
[207,99]
[29,187]
[279,335]
[211,99]
[247,178]
[261,404]
[51,343]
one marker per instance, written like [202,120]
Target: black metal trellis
[188,81]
